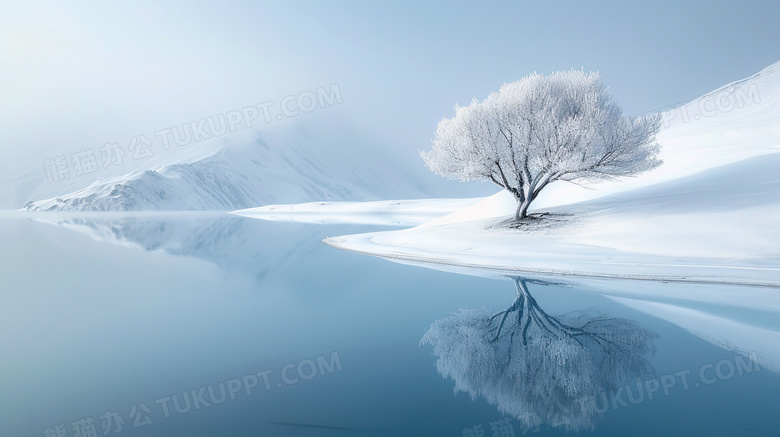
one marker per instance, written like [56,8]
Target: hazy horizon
[83,75]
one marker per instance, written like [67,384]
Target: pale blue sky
[86,73]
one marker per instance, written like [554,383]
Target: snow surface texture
[249,169]
[383,212]
[709,214]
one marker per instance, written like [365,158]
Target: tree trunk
[522,209]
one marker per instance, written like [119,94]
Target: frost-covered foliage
[539,368]
[542,129]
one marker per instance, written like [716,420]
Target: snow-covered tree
[542,129]
[539,368]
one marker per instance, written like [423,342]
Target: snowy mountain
[291,165]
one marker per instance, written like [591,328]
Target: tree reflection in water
[537,367]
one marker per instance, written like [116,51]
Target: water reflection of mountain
[234,244]
[537,367]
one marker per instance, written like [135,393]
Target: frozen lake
[216,325]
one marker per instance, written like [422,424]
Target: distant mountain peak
[287,166]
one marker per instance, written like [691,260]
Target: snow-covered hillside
[716,226]
[251,169]
[735,122]
[709,214]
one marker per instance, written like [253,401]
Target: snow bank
[387,212]
[500,204]
[672,231]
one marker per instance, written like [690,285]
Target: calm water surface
[227,326]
